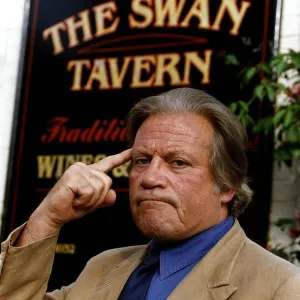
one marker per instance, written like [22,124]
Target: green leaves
[233,106]
[271,92]
[262,80]
[264,125]
[293,134]
[285,61]
[259,92]
[288,118]
[278,117]
[250,73]
[266,88]
[246,120]
[281,67]
[284,222]
[241,109]
[231,59]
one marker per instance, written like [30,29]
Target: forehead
[176,130]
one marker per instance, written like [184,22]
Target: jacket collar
[111,286]
[190,251]
[208,280]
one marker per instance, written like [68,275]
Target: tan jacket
[236,269]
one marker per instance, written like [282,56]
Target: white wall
[11,22]
[286,182]
[290,26]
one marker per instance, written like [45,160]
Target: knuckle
[86,194]
[109,181]
[67,177]
[78,166]
[100,185]
[89,190]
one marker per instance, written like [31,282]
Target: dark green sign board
[85,64]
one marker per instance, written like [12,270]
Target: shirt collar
[176,257]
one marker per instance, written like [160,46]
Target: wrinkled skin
[172,192]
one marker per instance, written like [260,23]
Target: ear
[226,197]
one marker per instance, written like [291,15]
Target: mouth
[155,200]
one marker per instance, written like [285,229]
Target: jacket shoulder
[260,274]
[99,268]
[256,263]
[263,257]
[115,256]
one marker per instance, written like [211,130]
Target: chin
[158,230]
[157,221]
[158,235]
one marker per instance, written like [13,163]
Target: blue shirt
[178,260]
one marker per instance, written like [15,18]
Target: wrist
[43,224]
[37,228]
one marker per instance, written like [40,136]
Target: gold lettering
[65,248]
[170,9]
[87,159]
[98,73]
[83,24]
[60,166]
[121,171]
[235,15]
[103,13]
[199,10]
[147,71]
[53,166]
[53,32]
[117,76]
[77,77]
[45,165]
[203,66]
[140,64]
[167,63]
[142,10]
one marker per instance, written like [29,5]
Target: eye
[140,161]
[179,163]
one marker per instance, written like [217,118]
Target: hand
[81,190]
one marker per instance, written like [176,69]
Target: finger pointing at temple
[110,162]
[81,190]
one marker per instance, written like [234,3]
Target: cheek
[186,190]
[188,183]
[133,180]
[194,191]
[133,174]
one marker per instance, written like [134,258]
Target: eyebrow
[182,152]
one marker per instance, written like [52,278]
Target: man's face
[172,193]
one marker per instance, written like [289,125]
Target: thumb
[110,198]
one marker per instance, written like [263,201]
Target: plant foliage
[277,79]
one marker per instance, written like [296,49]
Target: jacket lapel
[210,278]
[195,287]
[111,286]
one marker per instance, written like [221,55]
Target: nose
[154,175]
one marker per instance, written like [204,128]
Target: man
[187,186]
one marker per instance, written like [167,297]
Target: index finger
[108,163]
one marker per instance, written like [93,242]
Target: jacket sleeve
[25,271]
[290,290]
